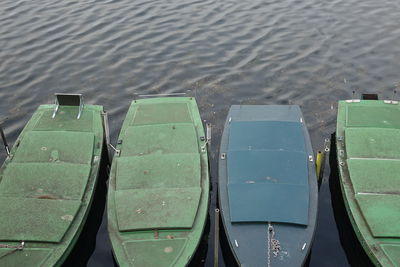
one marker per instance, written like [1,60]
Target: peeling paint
[168,249]
[67,217]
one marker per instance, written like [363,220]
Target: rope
[273,244]
[270,229]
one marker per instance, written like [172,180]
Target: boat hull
[249,240]
[366,141]
[163,161]
[52,182]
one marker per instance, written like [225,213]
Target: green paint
[164,251]
[382,213]
[55,146]
[367,175]
[159,186]
[380,143]
[61,181]
[26,257]
[161,138]
[381,116]
[66,120]
[393,250]
[47,185]
[156,208]
[158,171]
[368,138]
[155,114]
[33,219]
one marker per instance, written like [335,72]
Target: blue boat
[268,192]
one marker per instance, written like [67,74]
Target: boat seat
[41,190]
[367,176]
[372,143]
[165,250]
[161,113]
[38,220]
[161,138]
[373,116]
[393,251]
[381,211]
[45,180]
[65,120]
[156,208]
[56,147]
[158,171]
[268,203]
[25,257]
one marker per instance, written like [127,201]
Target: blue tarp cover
[267,172]
[259,135]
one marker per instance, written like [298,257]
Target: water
[311,53]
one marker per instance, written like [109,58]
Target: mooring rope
[273,244]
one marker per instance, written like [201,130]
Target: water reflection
[348,239]
[86,242]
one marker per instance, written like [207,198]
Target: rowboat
[367,141]
[159,184]
[47,182]
[267,185]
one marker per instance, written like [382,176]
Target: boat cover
[158,173]
[372,136]
[44,185]
[267,172]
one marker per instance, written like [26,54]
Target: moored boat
[47,182]
[159,184]
[267,185]
[367,142]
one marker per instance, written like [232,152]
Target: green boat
[47,182]
[368,141]
[159,184]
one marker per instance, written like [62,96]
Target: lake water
[310,52]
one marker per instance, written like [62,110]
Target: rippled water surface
[311,53]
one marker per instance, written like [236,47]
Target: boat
[158,195]
[47,182]
[268,193]
[367,142]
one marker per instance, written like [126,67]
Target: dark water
[310,52]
